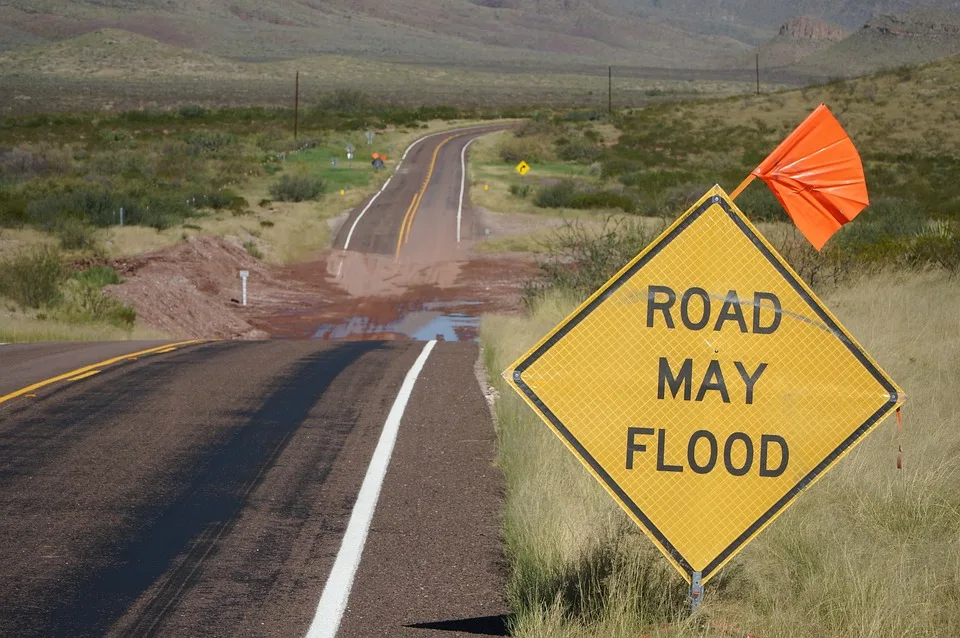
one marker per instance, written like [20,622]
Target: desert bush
[13,209]
[603,199]
[191,111]
[581,258]
[532,149]
[569,194]
[520,190]
[85,302]
[97,276]
[75,234]
[209,141]
[32,278]
[558,195]
[219,200]
[297,188]
[578,149]
[92,204]
[252,249]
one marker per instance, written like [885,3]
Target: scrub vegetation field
[870,550]
[66,180]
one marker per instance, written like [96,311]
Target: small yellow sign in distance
[705,386]
[523,168]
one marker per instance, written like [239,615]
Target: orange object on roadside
[817,175]
[383,157]
[375,155]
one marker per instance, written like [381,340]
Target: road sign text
[696,310]
[704,452]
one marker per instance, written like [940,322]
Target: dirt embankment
[193,290]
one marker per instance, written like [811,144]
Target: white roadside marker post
[243,285]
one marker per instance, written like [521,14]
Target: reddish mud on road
[403,264]
[396,269]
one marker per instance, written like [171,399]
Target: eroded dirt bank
[194,290]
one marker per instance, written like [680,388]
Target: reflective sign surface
[705,386]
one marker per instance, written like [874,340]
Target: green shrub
[529,149]
[13,209]
[578,150]
[75,234]
[85,302]
[97,276]
[604,199]
[252,249]
[520,190]
[568,194]
[32,278]
[559,195]
[92,204]
[191,111]
[297,188]
[219,199]
[209,141]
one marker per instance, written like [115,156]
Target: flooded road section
[371,297]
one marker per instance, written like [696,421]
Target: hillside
[551,33]
[888,42]
[770,14]
[797,38]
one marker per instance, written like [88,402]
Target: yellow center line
[412,211]
[84,375]
[166,350]
[79,372]
[404,224]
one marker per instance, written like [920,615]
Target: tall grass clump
[297,188]
[32,278]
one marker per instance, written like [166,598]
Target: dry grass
[17,327]
[868,551]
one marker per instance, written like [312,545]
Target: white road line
[333,601]
[353,227]
[346,244]
[463,183]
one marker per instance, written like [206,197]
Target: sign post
[244,274]
[705,385]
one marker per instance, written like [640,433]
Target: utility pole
[758,73]
[296,108]
[610,90]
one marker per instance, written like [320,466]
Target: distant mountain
[525,33]
[770,14]
[505,35]
[798,38]
[889,41]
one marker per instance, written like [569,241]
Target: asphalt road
[206,490]
[416,214]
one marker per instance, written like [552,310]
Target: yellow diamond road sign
[705,386]
[523,168]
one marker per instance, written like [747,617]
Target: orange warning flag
[375,156]
[817,175]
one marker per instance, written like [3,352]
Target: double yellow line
[90,370]
[415,204]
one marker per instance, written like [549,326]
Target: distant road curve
[418,212]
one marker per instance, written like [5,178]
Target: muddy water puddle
[443,321]
[366,296]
